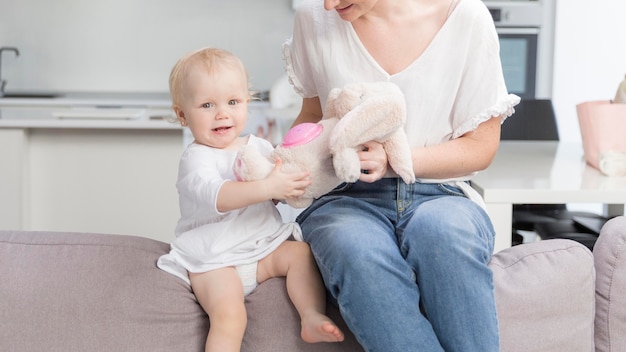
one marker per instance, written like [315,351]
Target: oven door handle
[518,30]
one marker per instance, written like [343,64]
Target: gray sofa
[96,292]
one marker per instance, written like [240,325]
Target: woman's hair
[212,58]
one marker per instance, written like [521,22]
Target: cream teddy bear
[355,114]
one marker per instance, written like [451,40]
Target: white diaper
[247,274]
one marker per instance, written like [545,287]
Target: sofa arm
[610,261]
[545,296]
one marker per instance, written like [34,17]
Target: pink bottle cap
[302,134]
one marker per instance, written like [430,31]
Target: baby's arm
[277,185]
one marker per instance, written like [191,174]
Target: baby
[230,236]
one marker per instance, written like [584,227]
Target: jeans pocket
[450,190]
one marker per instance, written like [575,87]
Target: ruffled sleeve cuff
[503,108]
[289,68]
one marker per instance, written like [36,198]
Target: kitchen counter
[127,99]
[89,162]
[93,110]
[87,110]
[47,118]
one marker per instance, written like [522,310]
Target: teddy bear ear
[333,95]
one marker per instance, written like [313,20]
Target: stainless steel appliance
[526,31]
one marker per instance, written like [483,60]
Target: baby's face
[215,105]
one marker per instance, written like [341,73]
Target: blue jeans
[407,265]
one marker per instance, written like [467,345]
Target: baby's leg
[220,294]
[305,288]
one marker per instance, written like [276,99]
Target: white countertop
[546,172]
[543,172]
[88,110]
[73,99]
[116,110]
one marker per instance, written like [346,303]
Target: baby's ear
[180,115]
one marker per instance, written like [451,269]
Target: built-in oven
[526,32]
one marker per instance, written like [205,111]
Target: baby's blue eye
[233,102]
[207,105]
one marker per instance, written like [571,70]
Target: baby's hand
[283,185]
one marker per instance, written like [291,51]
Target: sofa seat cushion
[610,260]
[545,296]
[90,292]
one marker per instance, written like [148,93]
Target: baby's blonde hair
[211,57]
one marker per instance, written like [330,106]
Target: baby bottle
[302,134]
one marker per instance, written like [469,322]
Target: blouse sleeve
[482,93]
[297,64]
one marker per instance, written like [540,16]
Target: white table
[538,172]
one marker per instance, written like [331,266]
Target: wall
[120,45]
[589,61]
[590,57]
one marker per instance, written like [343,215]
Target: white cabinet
[93,174]
[117,181]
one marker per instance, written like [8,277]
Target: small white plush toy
[355,114]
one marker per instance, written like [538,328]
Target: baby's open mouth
[222,129]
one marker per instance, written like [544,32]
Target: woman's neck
[397,32]
[394,11]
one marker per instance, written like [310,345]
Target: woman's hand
[374,162]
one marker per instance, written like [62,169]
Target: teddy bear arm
[347,164]
[251,165]
[399,156]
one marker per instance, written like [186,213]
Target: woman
[407,263]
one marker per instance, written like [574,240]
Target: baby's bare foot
[320,328]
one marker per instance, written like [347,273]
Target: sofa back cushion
[545,296]
[610,259]
[89,292]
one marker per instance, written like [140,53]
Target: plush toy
[305,147]
[355,114]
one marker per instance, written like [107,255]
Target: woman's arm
[474,151]
[311,111]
